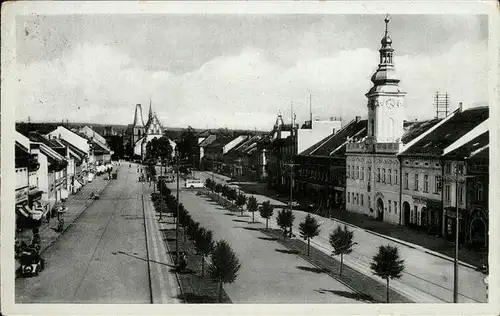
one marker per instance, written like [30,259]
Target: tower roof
[138,121]
[386,73]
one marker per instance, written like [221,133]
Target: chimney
[358,118]
[460,106]
[138,121]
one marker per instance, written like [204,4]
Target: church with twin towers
[143,133]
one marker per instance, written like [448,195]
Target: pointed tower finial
[387,20]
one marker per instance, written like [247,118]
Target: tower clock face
[391,103]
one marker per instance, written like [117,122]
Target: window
[395,207]
[406,180]
[460,168]
[447,192]
[426,183]
[389,205]
[357,198]
[369,201]
[416,181]
[362,173]
[479,192]
[390,176]
[357,172]
[460,194]
[383,175]
[447,168]
[436,184]
[378,174]
[369,173]
[361,199]
[348,171]
[395,176]
[348,197]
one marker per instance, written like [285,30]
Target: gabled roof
[73,148]
[204,133]
[334,145]
[207,141]
[244,146]
[449,131]
[37,137]
[474,147]
[414,129]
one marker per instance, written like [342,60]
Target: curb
[176,274]
[147,250]
[410,245]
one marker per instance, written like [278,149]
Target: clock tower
[385,99]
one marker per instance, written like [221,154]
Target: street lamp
[177,220]
[457,177]
[291,165]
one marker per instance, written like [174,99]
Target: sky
[239,71]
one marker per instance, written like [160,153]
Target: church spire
[386,72]
[150,109]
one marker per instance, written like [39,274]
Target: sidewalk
[436,246]
[76,204]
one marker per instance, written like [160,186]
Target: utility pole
[457,177]
[291,165]
[177,220]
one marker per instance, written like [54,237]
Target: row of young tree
[386,263]
[223,265]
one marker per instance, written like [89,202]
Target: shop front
[450,223]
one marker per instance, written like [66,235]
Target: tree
[204,245]
[241,199]
[218,190]
[188,145]
[224,265]
[387,264]
[159,149]
[208,184]
[341,241]
[285,220]
[266,211]
[252,206]
[309,228]
[192,228]
[184,219]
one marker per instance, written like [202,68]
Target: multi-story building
[373,169]
[465,177]
[320,171]
[424,194]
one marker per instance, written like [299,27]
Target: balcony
[356,147]
[391,148]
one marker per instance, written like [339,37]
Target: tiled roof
[219,142]
[207,141]
[39,138]
[414,129]
[334,145]
[474,147]
[448,132]
[75,149]
[245,145]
